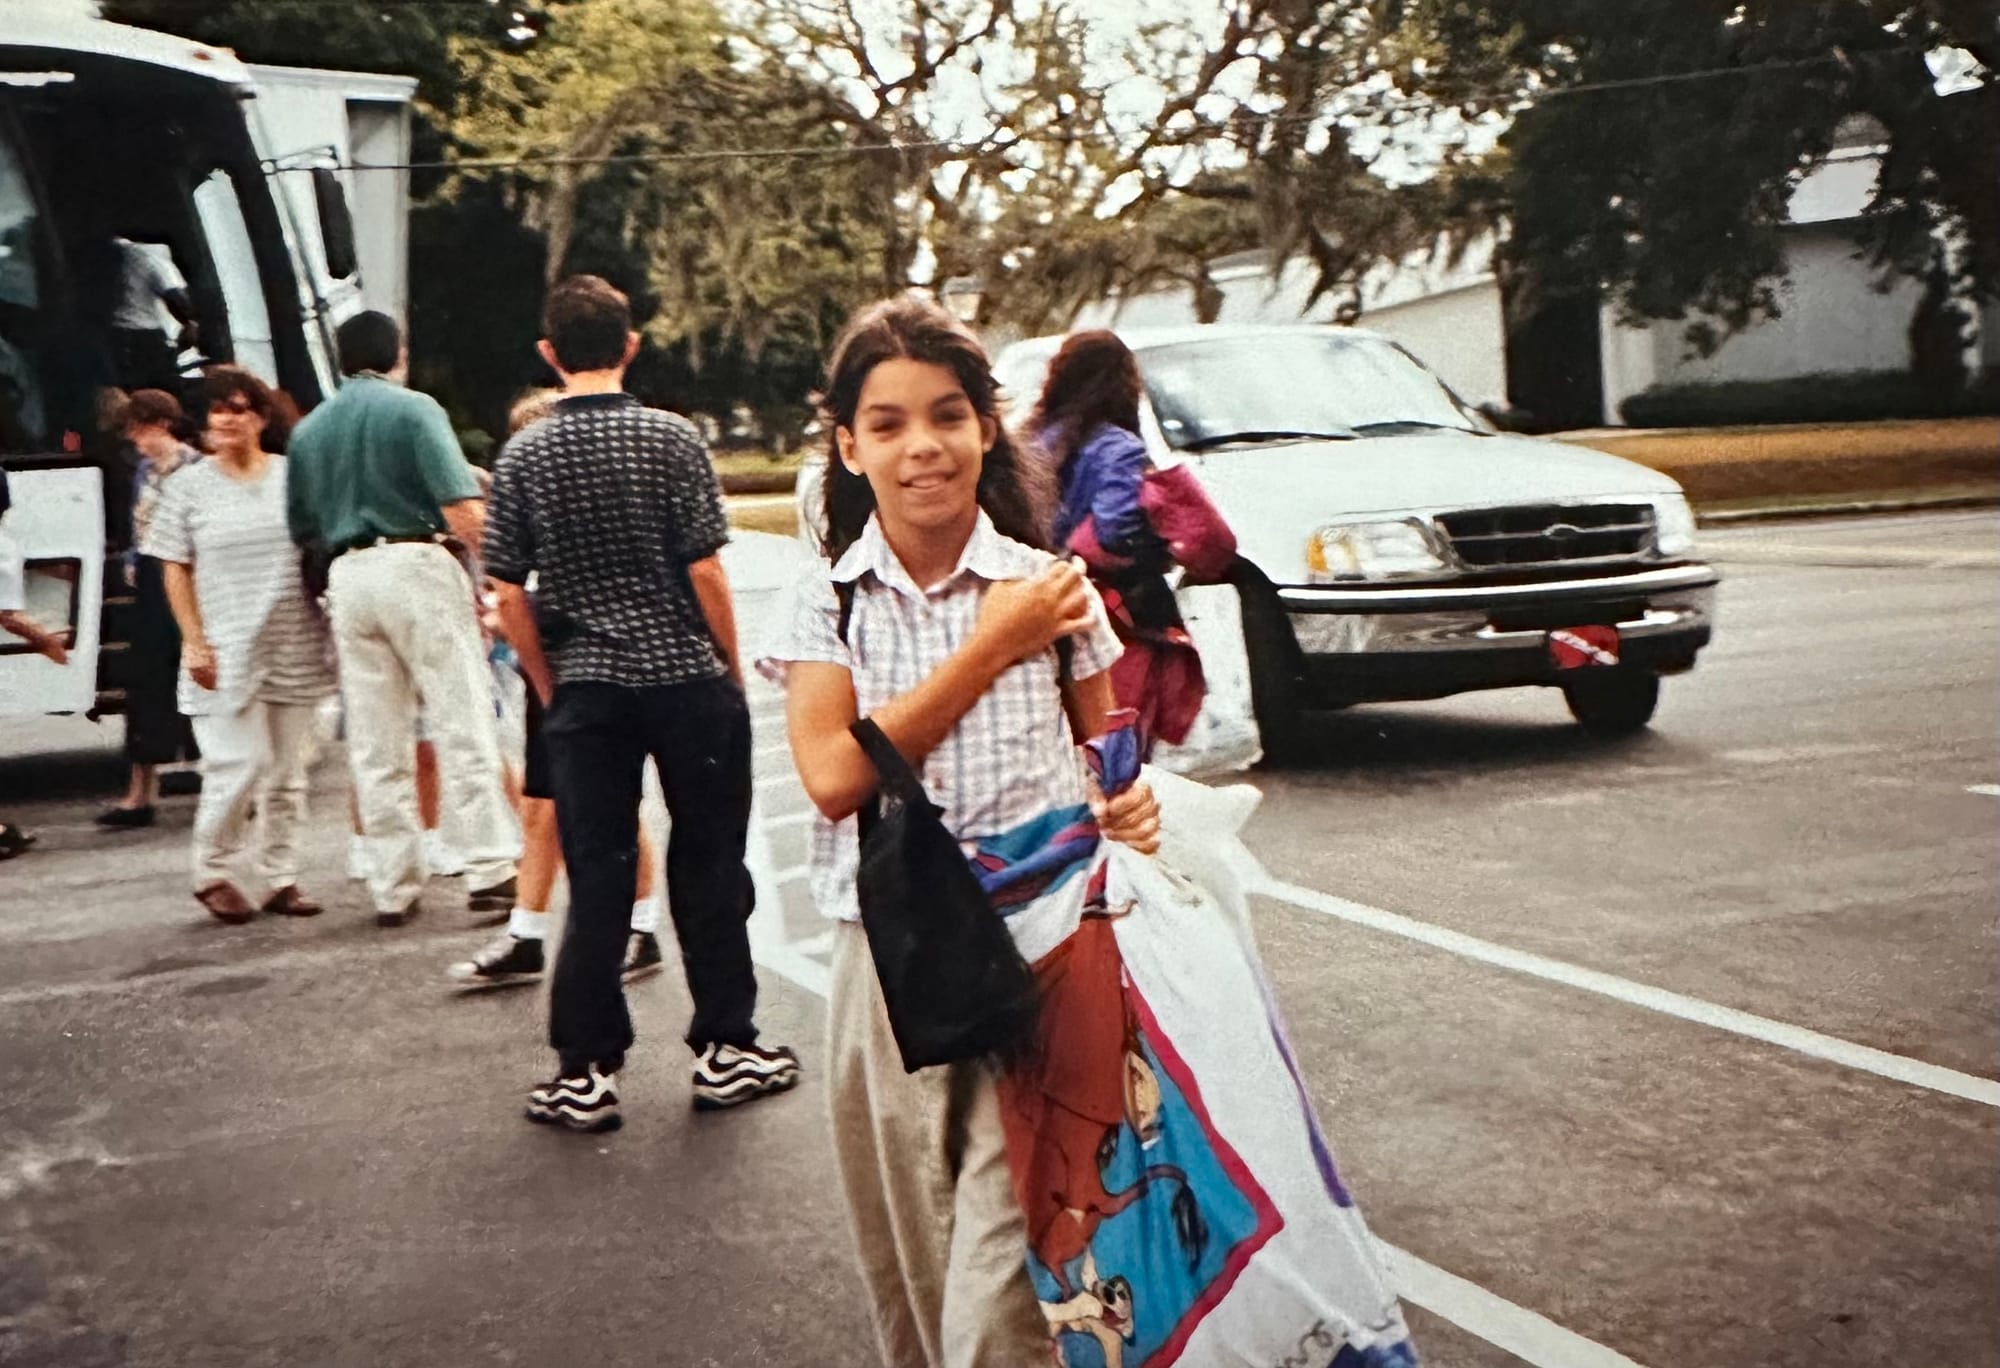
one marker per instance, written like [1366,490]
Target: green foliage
[1671,195]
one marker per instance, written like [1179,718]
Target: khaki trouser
[406,631]
[253,760]
[940,1235]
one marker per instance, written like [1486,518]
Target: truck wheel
[1276,690]
[1613,702]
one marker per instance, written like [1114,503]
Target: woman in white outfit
[255,659]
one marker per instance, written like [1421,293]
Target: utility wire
[1246,121]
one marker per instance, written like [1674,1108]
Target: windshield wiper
[1415,425]
[1223,439]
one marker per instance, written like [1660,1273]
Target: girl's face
[234,424]
[919,443]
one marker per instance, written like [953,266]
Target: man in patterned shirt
[630,642]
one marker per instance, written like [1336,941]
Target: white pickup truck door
[57,522]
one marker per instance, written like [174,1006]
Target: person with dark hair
[1087,422]
[946,620]
[369,343]
[515,956]
[156,731]
[378,484]
[630,643]
[254,657]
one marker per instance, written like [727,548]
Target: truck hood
[1275,496]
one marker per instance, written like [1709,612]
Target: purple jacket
[1103,484]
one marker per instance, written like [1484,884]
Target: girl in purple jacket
[1087,422]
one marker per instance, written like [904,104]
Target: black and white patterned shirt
[606,504]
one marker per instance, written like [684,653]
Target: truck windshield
[22,408]
[1261,386]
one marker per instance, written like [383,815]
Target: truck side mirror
[336,224]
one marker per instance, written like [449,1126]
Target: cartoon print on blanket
[1140,1216]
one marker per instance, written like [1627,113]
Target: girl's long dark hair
[1014,490]
[1094,379]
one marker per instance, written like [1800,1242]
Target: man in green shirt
[376,483]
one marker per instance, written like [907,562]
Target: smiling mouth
[923,482]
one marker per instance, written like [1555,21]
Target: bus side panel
[57,522]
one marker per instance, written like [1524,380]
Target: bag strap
[897,776]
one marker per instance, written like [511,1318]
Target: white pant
[253,760]
[407,634]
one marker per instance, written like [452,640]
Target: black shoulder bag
[954,984]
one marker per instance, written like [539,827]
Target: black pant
[155,731]
[598,737]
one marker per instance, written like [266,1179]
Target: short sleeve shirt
[269,645]
[606,504]
[1011,758]
[375,460]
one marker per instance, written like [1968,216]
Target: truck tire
[1613,702]
[1276,689]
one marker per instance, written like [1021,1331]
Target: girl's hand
[1131,819]
[199,657]
[1027,616]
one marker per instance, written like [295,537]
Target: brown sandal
[225,902]
[289,902]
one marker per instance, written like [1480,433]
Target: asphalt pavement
[1666,1051]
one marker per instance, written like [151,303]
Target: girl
[1087,421]
[953,607]
[254,657]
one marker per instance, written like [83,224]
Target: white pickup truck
[243,178]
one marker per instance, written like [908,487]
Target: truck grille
[1543,534]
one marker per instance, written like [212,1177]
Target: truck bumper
[1409,642]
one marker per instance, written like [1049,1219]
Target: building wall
[1831,319]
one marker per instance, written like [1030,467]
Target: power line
[955,147]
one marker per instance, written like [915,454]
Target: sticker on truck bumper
[1577,648]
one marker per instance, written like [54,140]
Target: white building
[1833,317]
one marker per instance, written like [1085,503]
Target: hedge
[1861,396]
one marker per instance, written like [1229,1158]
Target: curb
[1913,503]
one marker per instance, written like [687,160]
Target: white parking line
[1527,1335]
[1797,1038]
[1985,790]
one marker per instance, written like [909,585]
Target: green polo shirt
[375,460]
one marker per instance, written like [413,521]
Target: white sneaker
[442,861]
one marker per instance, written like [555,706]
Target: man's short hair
[369,341]
[587,321]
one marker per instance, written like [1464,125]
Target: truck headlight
[1673,525]
[1371,551]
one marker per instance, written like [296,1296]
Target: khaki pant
[253,760]
[406,631]
[924,1166]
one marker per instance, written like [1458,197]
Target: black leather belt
[366,542]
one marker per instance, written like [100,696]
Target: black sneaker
[508,960]
[491,906]
[587,1102]
[727,1075]
[642,956]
